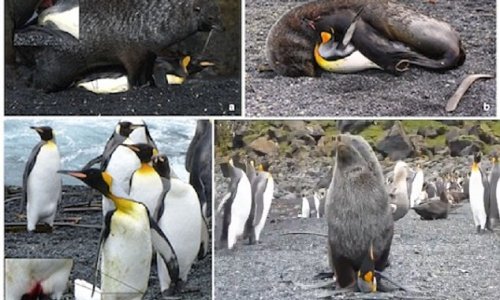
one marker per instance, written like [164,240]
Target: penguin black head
[477,157]
[161,165]
[45,132]
[94,178]
[125,128]
[145,152]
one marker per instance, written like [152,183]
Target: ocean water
[82,138]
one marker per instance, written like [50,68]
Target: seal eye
[197,8]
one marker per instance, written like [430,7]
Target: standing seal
[357,211]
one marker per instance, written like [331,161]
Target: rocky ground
[81,244]
[443,259]
[194,98]
[373,93]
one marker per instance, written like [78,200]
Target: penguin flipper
[92,162]
[161,208]
[102,239]
[162,246]
[27,171]
[203,252]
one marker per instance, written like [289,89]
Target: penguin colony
[92,54]
[243,211]
[146,208]
[350,36]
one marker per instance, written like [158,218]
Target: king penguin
[162,167]
[120,162]
[417,186]
[145,184]
[494,176]
[127,241]
[262,194]
[479,194]
[237,207]
[180,217]
[41,183]
[36,278]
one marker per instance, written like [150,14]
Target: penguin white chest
[416,188]
[44,186]
[181,222]
[67,21]
[126,256]
[146,187]
[476,197]
[240,210]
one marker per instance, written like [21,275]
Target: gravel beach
[374,93]
[81,244]
[194,98]
[443,259]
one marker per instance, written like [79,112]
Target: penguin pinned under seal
[27,279]
[181,219]
[237,207]
[479,194]
[127,241]
[42,184]
[145,184]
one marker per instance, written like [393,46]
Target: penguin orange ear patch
[185,61]
[325,37]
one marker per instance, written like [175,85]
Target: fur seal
[357,211]
[124,39]
[387,33]
[434,209]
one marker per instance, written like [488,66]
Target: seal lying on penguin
[387,33]
[111,36]
[357,211]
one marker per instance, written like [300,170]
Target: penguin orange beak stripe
[132,147]
[73,173]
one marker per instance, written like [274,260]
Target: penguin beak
[135,126]
[76,174]
[38,129]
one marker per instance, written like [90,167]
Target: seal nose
[218,27]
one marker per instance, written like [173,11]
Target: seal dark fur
[357,211]
[125,33]
[387,33]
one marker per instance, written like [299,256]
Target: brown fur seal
[434,209]
[387,33]
[357,211]
[124,33]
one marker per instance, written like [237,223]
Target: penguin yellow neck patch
[475,167]
[124,205]
[146,169]
[51,144]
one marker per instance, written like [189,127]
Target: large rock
[464,145]
[264,146]
[353,126]
[484,136]
[396,145]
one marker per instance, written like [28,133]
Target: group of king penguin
[243,211]
[146,208]
[434,199]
